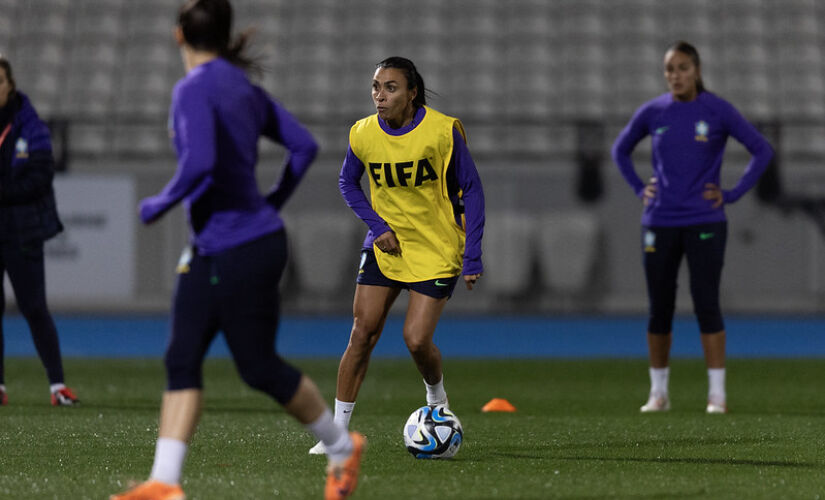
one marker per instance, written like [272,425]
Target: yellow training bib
[408,189]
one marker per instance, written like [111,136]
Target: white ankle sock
[343,412]
[716,385]
[335,437]
[435,393]
[56,387]
[3,387]
[169,456]
[659,380]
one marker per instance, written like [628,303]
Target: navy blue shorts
[370,274]
[663,249]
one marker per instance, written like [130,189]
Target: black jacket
[28,211]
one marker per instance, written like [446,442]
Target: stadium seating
[521,74]
[509,248]
[489,60]
[322,246]
[569,246]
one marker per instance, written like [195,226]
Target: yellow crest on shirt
[408,189]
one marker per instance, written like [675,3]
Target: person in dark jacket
[28,217]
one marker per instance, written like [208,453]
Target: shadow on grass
[551,452]
[701,493]
[692,442]
[702,461]
[663,460]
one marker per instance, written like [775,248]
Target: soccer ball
[433,432]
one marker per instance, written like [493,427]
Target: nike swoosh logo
[705,236]
[347,411]
[438,283]
[661,130]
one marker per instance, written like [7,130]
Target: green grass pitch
[577,433]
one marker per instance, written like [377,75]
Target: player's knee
[418,345]
[276,378]
[660,322]
[181,375]
[34,311]
[364,334]
[710,321]
[256,378]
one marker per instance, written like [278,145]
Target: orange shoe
[64,397]
[4,398]
[343,478]
[152,490]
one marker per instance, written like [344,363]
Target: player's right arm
[349,183]
[623,148]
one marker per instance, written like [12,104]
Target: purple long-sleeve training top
[216,118]
[688,142]
[466,174]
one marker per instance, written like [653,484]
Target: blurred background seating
[523,76]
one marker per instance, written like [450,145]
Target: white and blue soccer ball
[433,432]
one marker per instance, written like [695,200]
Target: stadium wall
[543,87]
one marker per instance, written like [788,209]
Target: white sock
[56,387]
[436,395]
[659,380]
[169,456]
[716,384]
[3,387]
[343,413]
[335,437]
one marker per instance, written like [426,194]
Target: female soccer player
[684,210]
[424,190]
[28,217]
[228,278]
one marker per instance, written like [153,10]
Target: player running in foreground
[684,211]
[228,279]
[425,218]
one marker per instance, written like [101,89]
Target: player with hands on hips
[683,213]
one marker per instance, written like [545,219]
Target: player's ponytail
[414,78]
[207,25]
[690,51]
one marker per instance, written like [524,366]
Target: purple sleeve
[473,196]
[759,148]
[285,129]
[194,128]
[634,132]
[349,183]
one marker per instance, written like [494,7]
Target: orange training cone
[498,404]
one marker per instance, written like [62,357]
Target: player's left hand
[714,194]
[470,280]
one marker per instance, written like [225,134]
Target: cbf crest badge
[650,241]
[702,131]
[21,148]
